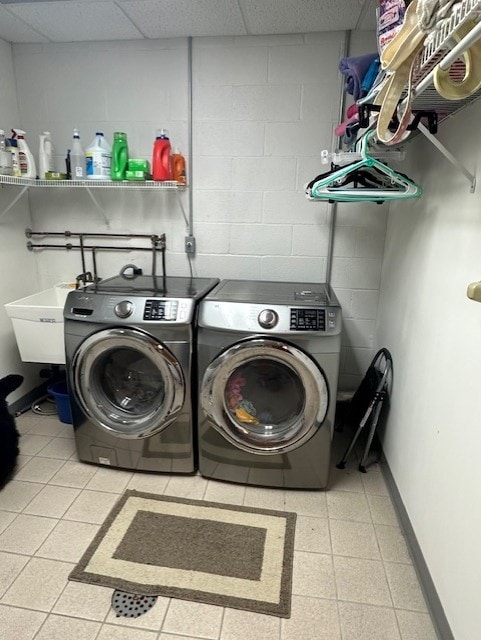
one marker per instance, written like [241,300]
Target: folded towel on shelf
[355,69]
[433,13]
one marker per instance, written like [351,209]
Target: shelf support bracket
[14,201]
[98,205]
[454,161]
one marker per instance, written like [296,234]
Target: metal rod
[332,208]
[69,246]
[69,234]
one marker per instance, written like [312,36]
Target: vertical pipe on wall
[190,180]
[332,207]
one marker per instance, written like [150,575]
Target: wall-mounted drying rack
[442,50]
[157,243]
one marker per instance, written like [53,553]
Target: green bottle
[120,156]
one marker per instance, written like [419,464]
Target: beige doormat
[219,554]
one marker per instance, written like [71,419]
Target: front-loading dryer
[268,357]
[130,361]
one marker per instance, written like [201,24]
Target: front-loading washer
[130,351]
[268,357]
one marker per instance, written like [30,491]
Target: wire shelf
[168,185]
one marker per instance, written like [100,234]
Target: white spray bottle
[45,154]
[27,161]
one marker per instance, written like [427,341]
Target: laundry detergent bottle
[98,158]
[161,166]
[178,167]
[120,156]
[28,168]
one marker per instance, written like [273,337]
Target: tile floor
[353,576]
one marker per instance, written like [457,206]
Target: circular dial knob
[268,318]
[124,309]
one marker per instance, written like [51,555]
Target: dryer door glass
[265,396]
[127,382]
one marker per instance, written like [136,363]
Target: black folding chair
[368,402]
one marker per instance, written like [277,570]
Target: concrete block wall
[263,110]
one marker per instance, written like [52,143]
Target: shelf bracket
[14,201]
[454,161]
[98,205]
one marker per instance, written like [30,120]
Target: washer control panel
[305,319]
[161,309]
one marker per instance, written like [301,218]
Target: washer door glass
[127,382]
[265,396]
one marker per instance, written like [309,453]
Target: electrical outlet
[189,244]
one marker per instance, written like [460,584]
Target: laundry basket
[59,391]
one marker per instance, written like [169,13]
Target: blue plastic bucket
[59,391]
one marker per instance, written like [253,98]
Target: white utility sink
[38,324]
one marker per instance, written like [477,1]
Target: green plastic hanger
[381,182]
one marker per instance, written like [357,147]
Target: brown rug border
[281,609]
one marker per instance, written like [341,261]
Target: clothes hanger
[380,181]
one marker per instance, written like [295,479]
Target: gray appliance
[268,357]
[130,351]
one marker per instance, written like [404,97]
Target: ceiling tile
[301,16]
[77,21]
[174,18]
[12,29]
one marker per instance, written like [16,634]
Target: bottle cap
[19,133]
[99,133]
[162,133]
[76,133]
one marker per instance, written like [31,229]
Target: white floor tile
[61,448]
[392,544]
[149,482]
[307,503]
[51,501]
[355,539]
[415,625]
[312,534]
[38,585]
[152,619]
[6,517]
[363,581]
[26,534]
[20,624]
[82,600]
[186,487]
[39,469]
[30,444]
[17,494]
[344,505]
[112,480]
[313,575]
[404,585]
[187,618]
[239,625]
[364,622]
[11,565]
[74,474]
[68,541]
[91,506]
[60,628]
[311,619]
[112,632]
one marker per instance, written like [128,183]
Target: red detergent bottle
[161,166]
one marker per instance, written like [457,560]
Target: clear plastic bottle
[45,154]
[28,168]
[120,156]
[98,158]
[178,167]
[77,158]
[5,156]
[161,166]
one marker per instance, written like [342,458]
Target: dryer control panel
[277,319]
